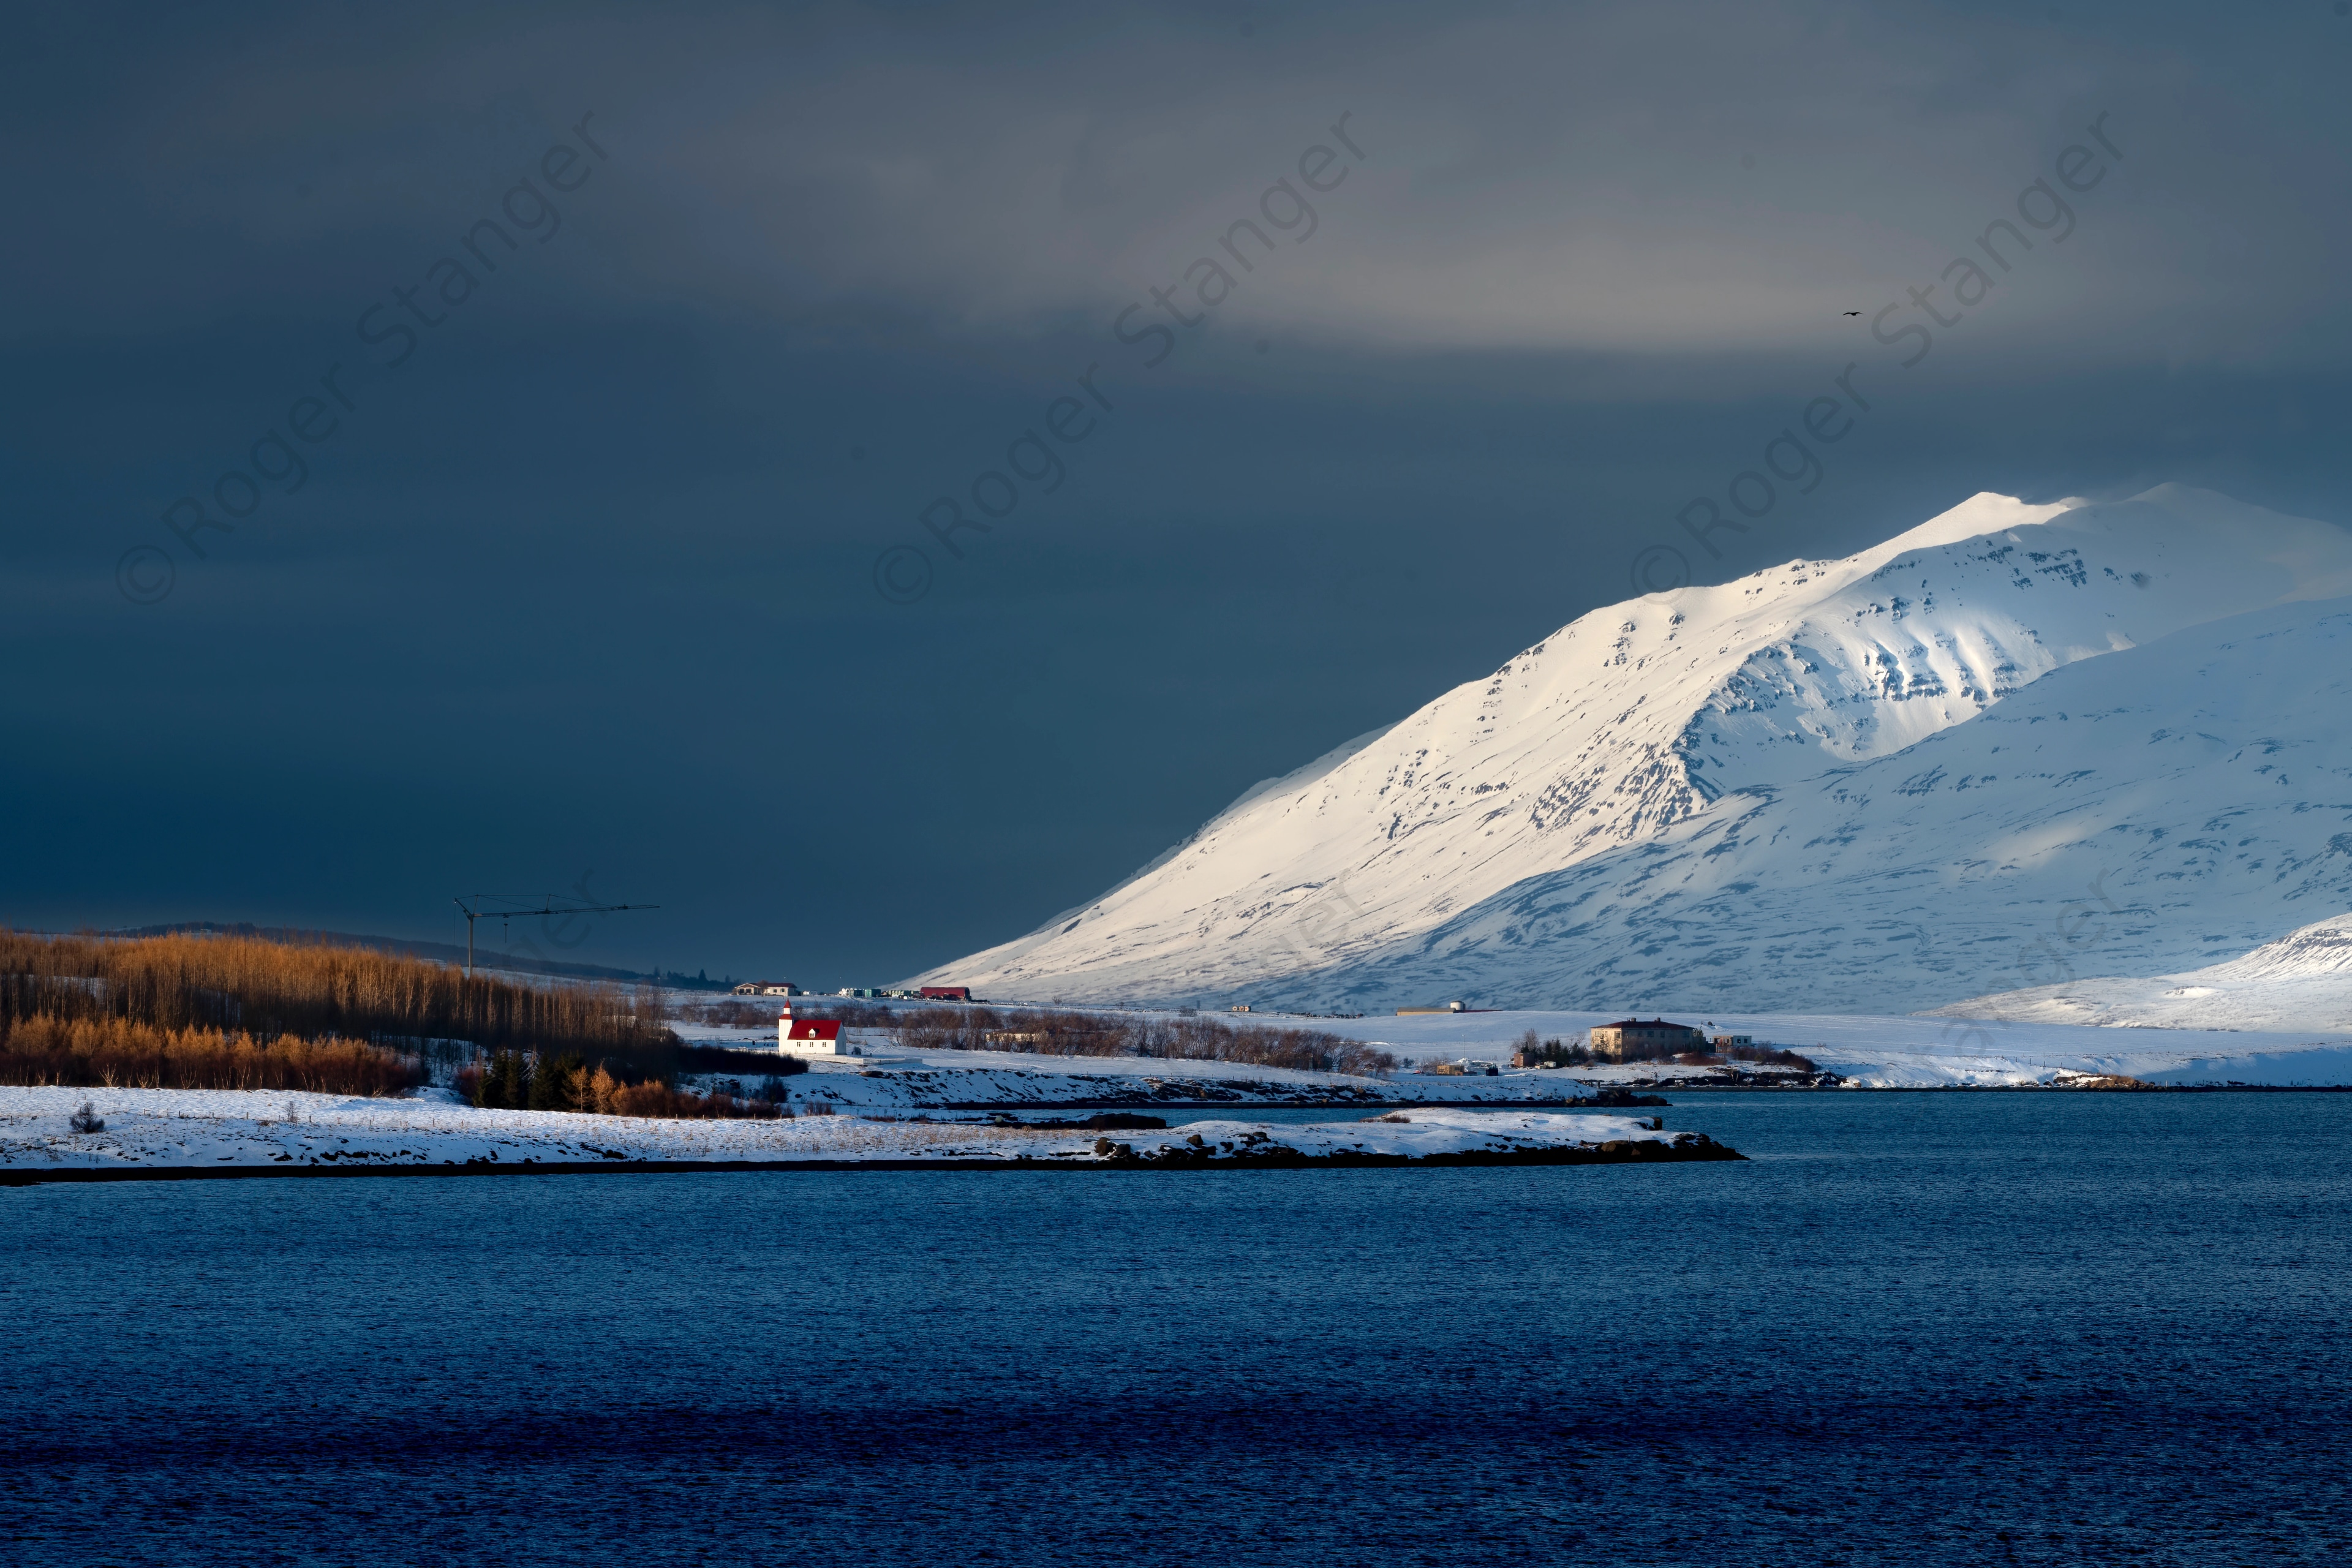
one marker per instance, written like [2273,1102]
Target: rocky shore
[63,1134]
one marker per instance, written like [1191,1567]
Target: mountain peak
[1638,717]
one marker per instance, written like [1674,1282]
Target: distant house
[1731,1042]
[808,1036]
[767,988]
[946,994]
[1631,1040]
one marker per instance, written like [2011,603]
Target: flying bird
[1854,312]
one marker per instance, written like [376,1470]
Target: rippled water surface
[1915,1329]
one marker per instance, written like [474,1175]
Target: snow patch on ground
[1893,1052]
[1871,1050]
[2301,982]
[944,1079]
[176,1129]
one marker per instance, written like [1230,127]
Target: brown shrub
[655,1099]
[1771,1057]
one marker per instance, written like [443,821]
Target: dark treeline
[730,1058]
[1533,1051]
[514,1081]
[1056,1032]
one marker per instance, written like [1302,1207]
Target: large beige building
[1630,1039]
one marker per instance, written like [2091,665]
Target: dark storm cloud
[1659,178]
[587,579]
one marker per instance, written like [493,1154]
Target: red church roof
[812,1028]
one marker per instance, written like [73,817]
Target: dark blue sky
[585,593]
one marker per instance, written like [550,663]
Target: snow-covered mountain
[2301,983]
[1728,797]
[2143,813]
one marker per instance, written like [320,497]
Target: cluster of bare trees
[314,992]
[118,1053]
[1534,1051]
[1059,1032]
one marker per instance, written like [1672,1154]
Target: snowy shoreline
[171,1134]
[1864,1050]
[1900,1051]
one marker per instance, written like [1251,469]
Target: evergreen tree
[556,1085]
[506,1082]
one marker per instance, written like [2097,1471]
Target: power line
[475,912]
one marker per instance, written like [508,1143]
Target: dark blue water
[1292,1116]
[1918,1329]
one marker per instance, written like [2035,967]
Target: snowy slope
[2303,982]
[1433,858]
[2141,814]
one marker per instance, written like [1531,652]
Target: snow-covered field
[1875,1051]
[168,1129]
[1886,1052]
[2303,982]
[945,1079]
